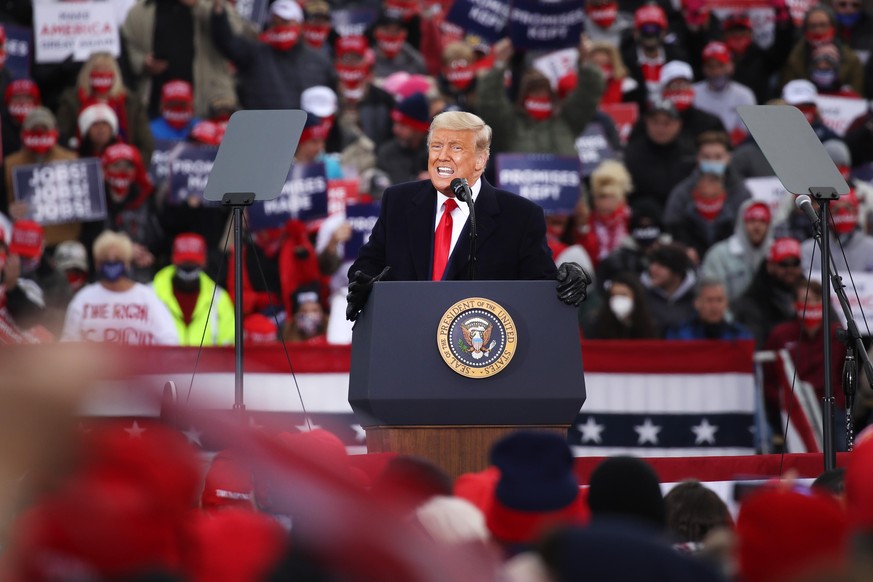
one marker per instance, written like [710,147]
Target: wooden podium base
[457,449]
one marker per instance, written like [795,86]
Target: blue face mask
[719,82]
[823,78]
[713,167]
[849,20]
[112,271]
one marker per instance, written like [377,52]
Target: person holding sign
[538,123]
[39,135]
[419,233]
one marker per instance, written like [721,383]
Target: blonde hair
[611,177]
[109,241]
[458,50]
[619,70]
[100,58]
[463,121]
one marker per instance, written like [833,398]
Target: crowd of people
[137,504]
[678,248]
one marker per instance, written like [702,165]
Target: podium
[441,370]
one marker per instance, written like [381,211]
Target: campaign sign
[839,112]
[74,28]
[362,218]
[340,193]
[593,148]
[860,299]
[189,167]
[255,11]
[536,25]
[61,192]
[303,197]
[352,21]
[624,116]
[558,64]
[550,181]
[768,190]
[159,167]
[485,18]
[18,43]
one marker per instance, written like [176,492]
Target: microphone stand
[473,234]
[830,275]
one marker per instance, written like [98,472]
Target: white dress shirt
[459,214]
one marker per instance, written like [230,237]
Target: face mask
[119,181]
[708,208]
[188,274]
[845,172]
[738,44]
[849,20]
[177,118]
[112,271]
[270,240]
[459,75]
[607,73]
[76,279]
[682,99]
[315,34]
[603,15]
[351,76]
[539,108]
[39,142]
[19,111]
[101,81]
[712,167]
[390,44]
[621,305]
[719,82]
[823,78]
[645,236]
[810,317]
[309,324]
[282,37]
[819,38]
[845,219]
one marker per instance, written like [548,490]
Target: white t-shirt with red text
[133,317]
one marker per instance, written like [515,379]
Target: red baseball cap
[177,90]
[27,239]
[718,51]
[650,14]
[757,211]
[189,247]
[784,248]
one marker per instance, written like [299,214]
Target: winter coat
[736,260]
[515,131]
[657,169]
[270,78]
[763,305]
[671,310]
[212,75]
[857,246]
[697,330]
[851,71]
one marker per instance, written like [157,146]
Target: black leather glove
[573,284]
[359,291]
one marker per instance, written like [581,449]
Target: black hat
[627,487]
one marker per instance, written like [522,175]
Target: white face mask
[621,305]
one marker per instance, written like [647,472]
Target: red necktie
[442,240]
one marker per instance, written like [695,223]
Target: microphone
[462,190]
[804,202]
[463,193]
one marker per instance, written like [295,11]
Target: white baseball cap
[287,10]
[676,70]
[319,100]
[799,91]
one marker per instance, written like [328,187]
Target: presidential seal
[476,337]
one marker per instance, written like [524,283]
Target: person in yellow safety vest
[187,292]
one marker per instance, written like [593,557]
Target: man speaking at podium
[422,233]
